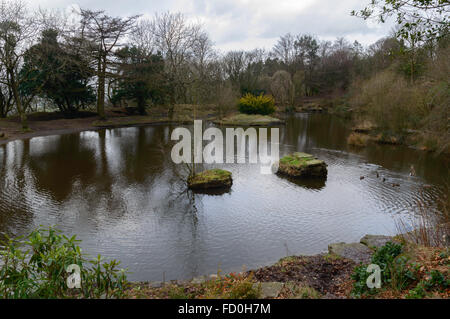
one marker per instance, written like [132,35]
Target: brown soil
[326,274]
[329,275]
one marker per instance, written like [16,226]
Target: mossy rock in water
[302,165]
[210,179]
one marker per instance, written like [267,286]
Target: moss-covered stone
[302,165]
[353,251]
[211,179]
[375,241]
[269,290]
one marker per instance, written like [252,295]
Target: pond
[120,193]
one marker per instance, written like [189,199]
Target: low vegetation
[407,271]
[231,286]
[37,267]
[357,139]
[262,104]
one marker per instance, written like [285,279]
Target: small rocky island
[249,120]
[210,179]
[302,165]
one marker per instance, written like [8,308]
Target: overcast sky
[247,24]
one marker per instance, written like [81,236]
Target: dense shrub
[384,257]
[436,133]
[359,277]
[36,267]
[436,281]
[390,102]
[262,104]
[396,106]
[395,270]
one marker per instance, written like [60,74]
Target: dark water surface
[119,191]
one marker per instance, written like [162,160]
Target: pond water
[121,194]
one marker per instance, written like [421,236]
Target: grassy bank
[51,123]
[41,124]
[408,272]
[249,120]
[38,266]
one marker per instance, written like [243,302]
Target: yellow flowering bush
[262,104]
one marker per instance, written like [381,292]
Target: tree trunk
[2,105]
[101,88]
[171,107]
[172,98]
[141,106]
[20,109]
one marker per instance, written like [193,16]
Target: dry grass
[395,106]
[436,134]
[231,286]
[390,103]
[430,228]
[356,139]
[364,126]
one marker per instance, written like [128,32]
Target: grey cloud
[233,24]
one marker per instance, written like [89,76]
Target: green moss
[300,160]
[214,174]
[287,260]
[213,178]
[302,165]
[331,257]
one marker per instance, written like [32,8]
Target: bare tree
[176,39]
[234,65]
[285,49]
[6,96]
[142,37]
[202,53]
[282,87]
[103,34]
[17,32]
[244,68]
